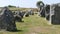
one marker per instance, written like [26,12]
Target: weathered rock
[18,16]
[7,20]
[30,12]
[23,13]
[27,14]
[42,13]
[55,15]
[41,7]
[47,12]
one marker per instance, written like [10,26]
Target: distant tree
[11,6]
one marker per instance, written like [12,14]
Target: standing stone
[30,12]
[47,12]
[23,13]
[54,17]
[27,14]
[41,7]
[7,20]
[18,16]
[42,12]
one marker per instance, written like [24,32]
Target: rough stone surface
[7,20]
[27,14]
[47,12]
[42,12]
[56,16]
[31,12]
[53,14]
[18,16]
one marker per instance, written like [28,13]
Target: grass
[34,25]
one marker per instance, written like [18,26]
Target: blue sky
[25,3]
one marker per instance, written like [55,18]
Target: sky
[25,3]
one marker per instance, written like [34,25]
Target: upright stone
[47,12]
[7,20]
[27,14]
[55,14]
[18,16]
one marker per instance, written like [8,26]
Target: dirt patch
[38,29]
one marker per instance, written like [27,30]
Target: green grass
[35,25]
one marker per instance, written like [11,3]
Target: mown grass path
[35,25]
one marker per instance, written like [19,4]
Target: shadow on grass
[55,23]
[16,31]
[19,21]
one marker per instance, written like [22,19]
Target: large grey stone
[55,17]
[31,12]
[42,12]
[7,20]
[47,12]
[18,16]
[27,14]
[54,14]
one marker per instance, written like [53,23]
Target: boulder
[7,21]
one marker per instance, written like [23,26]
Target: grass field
[34,25]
